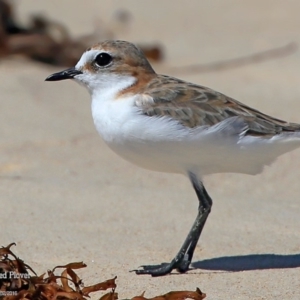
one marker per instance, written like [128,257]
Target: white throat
[100,84]
[109,112]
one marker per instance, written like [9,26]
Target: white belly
[162,144]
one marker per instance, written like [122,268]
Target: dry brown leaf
[175,295]
[51,277]
[108,284]
[73,265]
[37,279]
[70,295]
[6,250]
[75,278]
[45,291]
[110,296]
[141,297]
[65,281]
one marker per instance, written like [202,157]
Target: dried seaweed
[175,295]
[18,281]
[50,41]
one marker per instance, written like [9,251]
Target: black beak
[66,74]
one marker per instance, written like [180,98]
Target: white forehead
[87,57]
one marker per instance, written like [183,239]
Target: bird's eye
[103,59]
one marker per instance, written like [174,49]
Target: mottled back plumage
[194,105]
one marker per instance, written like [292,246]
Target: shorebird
[166,124]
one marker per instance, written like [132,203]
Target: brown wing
[194,105]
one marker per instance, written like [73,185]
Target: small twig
[240,61]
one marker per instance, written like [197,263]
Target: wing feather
[193,105]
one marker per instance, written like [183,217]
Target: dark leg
[184,257]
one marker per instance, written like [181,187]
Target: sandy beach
[65,196]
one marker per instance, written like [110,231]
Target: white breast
[137,138]
[155,143]
[163,144]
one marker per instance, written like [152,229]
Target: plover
[166,124]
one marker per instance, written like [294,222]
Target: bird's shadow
[249,262]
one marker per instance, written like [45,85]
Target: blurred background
[65,196]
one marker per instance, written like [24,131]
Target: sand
[66,197]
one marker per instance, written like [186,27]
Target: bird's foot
[180,263]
